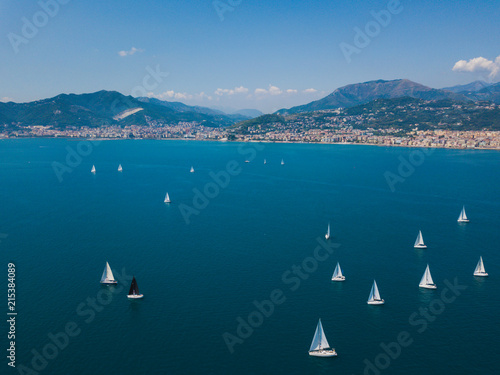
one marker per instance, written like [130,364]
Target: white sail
[327,235]
[338,272]
[107,275]
[319,341]
[265,162]
[167,199]
[426,278]
[191,170]
[480,271]
[282,162]
[120,168]
[463,217]
[419,242]
[93,169]
[375,292]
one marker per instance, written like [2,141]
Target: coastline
[261,141]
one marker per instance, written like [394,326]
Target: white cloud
[479,64]
[236,90]
[202,95]
[291,91]
[310,91]
[273,90]
[6,99]
[240,90]
[171,94]
[130,52]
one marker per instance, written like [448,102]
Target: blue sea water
[200,279]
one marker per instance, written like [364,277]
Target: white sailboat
[93,169]
[265,162]
[426,281]
[480,271]
[282,162]
[191,170]
[319,346]
[167,199]
[374,298]
[337,274]
[327,235]
[419,243]
[463,217]
[120,168]
[107,275]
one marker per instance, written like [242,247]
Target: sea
[236,271]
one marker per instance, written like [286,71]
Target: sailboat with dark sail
[133,293]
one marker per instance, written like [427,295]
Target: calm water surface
[199,278]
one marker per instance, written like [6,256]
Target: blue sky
[262,54]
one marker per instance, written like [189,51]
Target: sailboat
[480,271]
[374,298]
[167,199]
[327,235]
[120,168]
[107,275]
[134,290]
[191,170]
[426,281]
[265,162]
[282,162]
[319,346]
[337,274]
[463,217]
[419,243]
[93,169]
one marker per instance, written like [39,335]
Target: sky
[237,54]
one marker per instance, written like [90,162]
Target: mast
[376,294]
[480,266]
[319,340]
[134,289]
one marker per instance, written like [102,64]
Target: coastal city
[406,122]
[277,132]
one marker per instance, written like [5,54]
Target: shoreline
[258,141]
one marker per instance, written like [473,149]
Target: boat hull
[376,302]
[135,296]
[323,353]
[480,274]
[463,221]
[338,278]
[420,247]
[432,286]
[109,282]
[327,237]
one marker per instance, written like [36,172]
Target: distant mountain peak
[469,87]
[361,93]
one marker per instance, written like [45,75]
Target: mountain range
[108,108]
[112,108]
[361,93]
[470,87]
